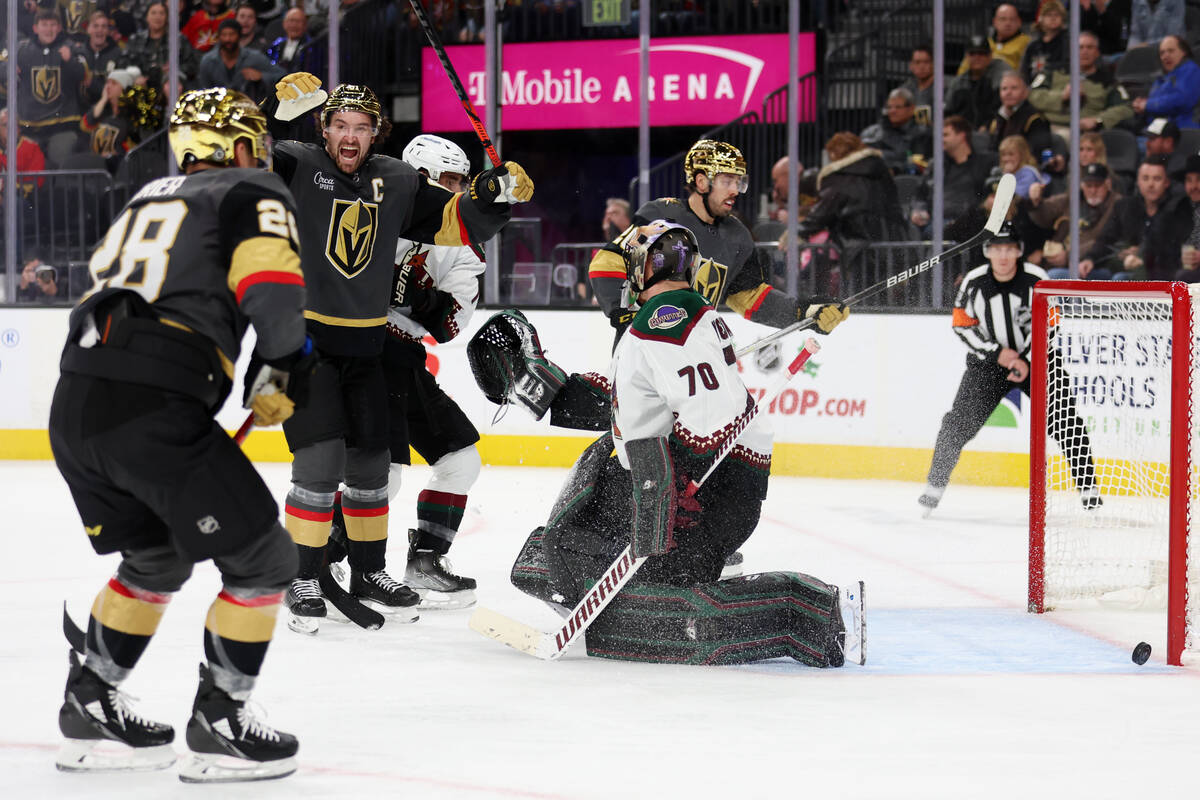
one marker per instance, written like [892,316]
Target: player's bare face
[348,139]
[453,181]
[725,189]
[1004,260]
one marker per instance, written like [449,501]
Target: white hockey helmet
[436,155]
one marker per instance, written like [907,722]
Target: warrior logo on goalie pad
[352,229]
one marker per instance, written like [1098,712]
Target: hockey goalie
[676,397]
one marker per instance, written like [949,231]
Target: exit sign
[605,12]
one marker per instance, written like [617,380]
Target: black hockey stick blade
[75,636]
[344,602]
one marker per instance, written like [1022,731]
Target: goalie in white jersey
[435,291]
[677,398]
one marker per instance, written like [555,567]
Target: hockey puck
[1141,653]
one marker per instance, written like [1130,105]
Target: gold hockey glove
[507,183]
[825,313]
[297,93]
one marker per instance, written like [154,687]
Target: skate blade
[208,768]
[308,626]
[732,571]
[106,755]
[855,619]
[400,614]
[927,512]
[432,600]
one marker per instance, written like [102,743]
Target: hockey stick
[1000,205]
[551,646]
[436,42]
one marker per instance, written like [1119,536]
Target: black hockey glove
[621,318]
[506,183]
[825,312]
[274,389]
[406,286]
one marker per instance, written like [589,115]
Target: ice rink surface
[964,694]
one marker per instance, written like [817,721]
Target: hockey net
[1123,357]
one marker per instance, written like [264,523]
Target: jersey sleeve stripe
[265,259]
[453,232]
[607,264]
[749,301]
[962,319]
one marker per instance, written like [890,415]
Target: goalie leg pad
[756,617]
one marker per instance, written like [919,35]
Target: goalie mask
[352,97]
[712,157]
[436,155]
[207,123]
[667,248]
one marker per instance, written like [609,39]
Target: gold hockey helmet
[710,157]
[352,97]
[207,122]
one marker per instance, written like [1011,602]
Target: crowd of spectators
[1007,111]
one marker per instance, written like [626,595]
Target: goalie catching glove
[275,388]
[509,365]
[506,183]
[825,312]
[298,92]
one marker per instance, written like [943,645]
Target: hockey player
[677,396]
[731,270]
[992,317]
[437,288]
[354,206]
[148,362]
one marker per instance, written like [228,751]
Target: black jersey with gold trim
[349,225]
[731,270]
[211,252]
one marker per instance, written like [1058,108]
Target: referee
[992,315]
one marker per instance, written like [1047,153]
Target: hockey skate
[851,641]
[103,734]
[930,498]
[382,592]
[306,606]
[229,743]
[428,574]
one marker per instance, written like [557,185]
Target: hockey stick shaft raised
[551,646]
[1000,205]
[435,41]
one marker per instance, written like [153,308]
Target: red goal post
[1126,353]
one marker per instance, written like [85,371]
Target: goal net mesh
[1109,361]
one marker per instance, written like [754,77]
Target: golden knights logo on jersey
[104,139]
[710,279]
[352,229]
[47,84]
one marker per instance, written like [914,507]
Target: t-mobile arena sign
[594,84]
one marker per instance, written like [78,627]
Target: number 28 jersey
[210,252]
[675,375]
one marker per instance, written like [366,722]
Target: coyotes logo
[47,83]
[352,229]
[710,280]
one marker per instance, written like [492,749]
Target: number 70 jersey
[210,251]
[675,375]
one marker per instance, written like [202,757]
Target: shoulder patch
[670,316]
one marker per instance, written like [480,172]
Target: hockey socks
[237,631]
[439,515]
[123,619]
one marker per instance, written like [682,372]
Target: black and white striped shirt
[990,315]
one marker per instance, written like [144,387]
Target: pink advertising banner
[594,84]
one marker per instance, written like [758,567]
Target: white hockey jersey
[453,270]
[675,374]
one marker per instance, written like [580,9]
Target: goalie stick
[1000,205]
[436,42]
[551,646]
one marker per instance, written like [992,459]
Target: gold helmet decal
[710,157]
[352,97]
[207,122]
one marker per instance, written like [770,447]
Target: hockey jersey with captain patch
[348,227]
[675,375]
